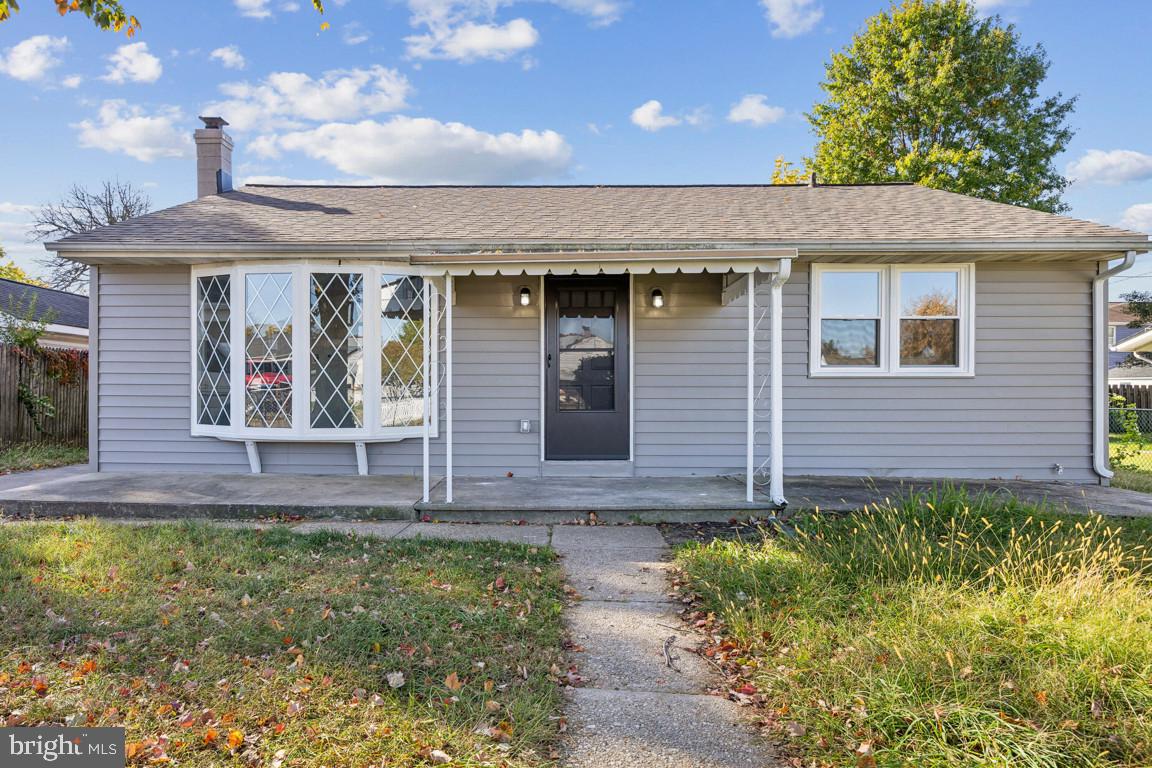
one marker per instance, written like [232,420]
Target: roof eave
[406,248]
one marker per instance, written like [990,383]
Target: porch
[184,495]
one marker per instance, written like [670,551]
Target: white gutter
[776,386]
[1100,364]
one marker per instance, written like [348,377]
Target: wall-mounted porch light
[657,298]
[525,297]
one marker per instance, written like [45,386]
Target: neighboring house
[1119,329]
[66,314]
[1138,344]
[892,330]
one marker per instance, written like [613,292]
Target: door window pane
[849,342]
[929,294]
[928,342]
[586,327]
[213,353]
[268,349]
[336,320]
[401,351]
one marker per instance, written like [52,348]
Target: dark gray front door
[586,368]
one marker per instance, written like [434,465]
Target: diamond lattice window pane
[401,351]
[213,353]
[336,341]
[268,350]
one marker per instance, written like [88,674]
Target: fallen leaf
[864,756]
[439,757]
[453,682]
[235,739]
[395,679]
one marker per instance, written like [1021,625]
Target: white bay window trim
[890,314]
[301,430]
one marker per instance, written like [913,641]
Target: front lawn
[941,630]
[239,647]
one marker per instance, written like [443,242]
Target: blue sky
[509,91]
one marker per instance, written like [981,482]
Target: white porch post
[424,336]
[750,446]
[776,384]
[776,393]
[449,300]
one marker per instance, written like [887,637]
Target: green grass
[190,636]
[943,630]
[22,458]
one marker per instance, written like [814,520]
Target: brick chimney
[213,158]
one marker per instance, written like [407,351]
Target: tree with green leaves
[1139,305]
[10,270]
[105,14]
[930,92]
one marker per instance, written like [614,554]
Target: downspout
[776,386]
[1100,364]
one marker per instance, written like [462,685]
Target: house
[651,331]
[65,314]
[1137,344]
[1119,328]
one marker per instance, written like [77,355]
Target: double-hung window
[313,352]
[892,320]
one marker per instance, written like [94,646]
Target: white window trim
[890,315]
[301,431]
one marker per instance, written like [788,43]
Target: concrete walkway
[635,710]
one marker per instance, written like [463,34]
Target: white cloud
[467,30]
[650,116]
[133,63]
[72,81]
[284,98]
[1115,166]
[1138,216]
[755,109]
[792,18]
[128,129]
[15,221]
[471,41]
[34,58]
[354,33]
[229,56]
[253,9]
[406,150]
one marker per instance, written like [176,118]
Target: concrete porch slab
[190,495]
[617,499]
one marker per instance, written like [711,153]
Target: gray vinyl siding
[690,374]
[1028,408]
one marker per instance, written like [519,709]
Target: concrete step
[587,469]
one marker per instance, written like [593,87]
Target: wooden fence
[1139,395]
[68,394]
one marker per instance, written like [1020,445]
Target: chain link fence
[1131,440]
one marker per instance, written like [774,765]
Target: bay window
[325,353]
[892,320]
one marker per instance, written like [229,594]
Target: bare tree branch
[82,210]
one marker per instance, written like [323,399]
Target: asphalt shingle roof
[59,307]
[767,214]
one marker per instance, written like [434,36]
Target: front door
[586,368]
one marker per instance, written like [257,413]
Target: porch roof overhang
[649,259]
